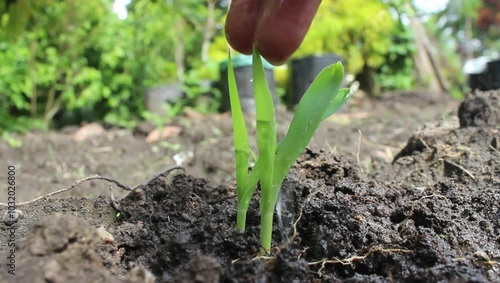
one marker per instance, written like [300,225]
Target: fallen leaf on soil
[346,119]
[166,133]
[192,114]
[88,131]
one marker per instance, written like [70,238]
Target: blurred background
[117,62]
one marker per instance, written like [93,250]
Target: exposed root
[425,144]
[95,177]
[163,174]
[429,196]
[323,262]
[458,166]
[301,213]
[278,248]
[484,261]
[78,182]
[258,256]
[353,259]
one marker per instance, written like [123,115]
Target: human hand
[275,27]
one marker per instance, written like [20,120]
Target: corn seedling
[322,99]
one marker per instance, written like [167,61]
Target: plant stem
[241,216]
[245,195]
[267,207]
[266,230]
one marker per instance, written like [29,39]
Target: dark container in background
[483,73]
[303,71]
[494,73]
[156,97]
[242,65]
[478,81]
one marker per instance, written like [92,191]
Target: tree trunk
[179,50]
[208,31]
[426,59]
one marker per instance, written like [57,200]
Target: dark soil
[427,211]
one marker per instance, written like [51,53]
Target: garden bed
[356,207]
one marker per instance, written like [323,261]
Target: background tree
[488,21]
[370,38]
[81,60]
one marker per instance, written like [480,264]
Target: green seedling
[322,99]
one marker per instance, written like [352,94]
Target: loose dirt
[397,190]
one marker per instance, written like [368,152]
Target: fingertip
[281,31]
[241,23]
[273,53]
[242,44]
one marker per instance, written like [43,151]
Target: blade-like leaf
[310,112]
[337,102]
[241,143]
[263,99]
[266,124]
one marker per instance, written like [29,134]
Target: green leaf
[241,143]
[318,101]
[266,140]
[337,101]
[266,124]
[17,18]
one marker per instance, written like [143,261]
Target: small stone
[52,272]
[37,247]
[88,131]
[140,274]
[481,255]
[144,128]
[163,134]
[12,216]
[104,235]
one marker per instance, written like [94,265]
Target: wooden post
[425,62]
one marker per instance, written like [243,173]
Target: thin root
[164,174]
[95,177]
[462,168]
[79,182]
[301,212]
[351,260]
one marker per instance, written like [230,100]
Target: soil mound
[480,109]
[64,248]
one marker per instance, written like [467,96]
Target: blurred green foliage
[367,36]
[72,57]
[397,71]
[358,30]
[488,20]
[60,58]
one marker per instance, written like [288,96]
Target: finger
[241,23]
[282,27]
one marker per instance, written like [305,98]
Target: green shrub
[70,57]
[358,30]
